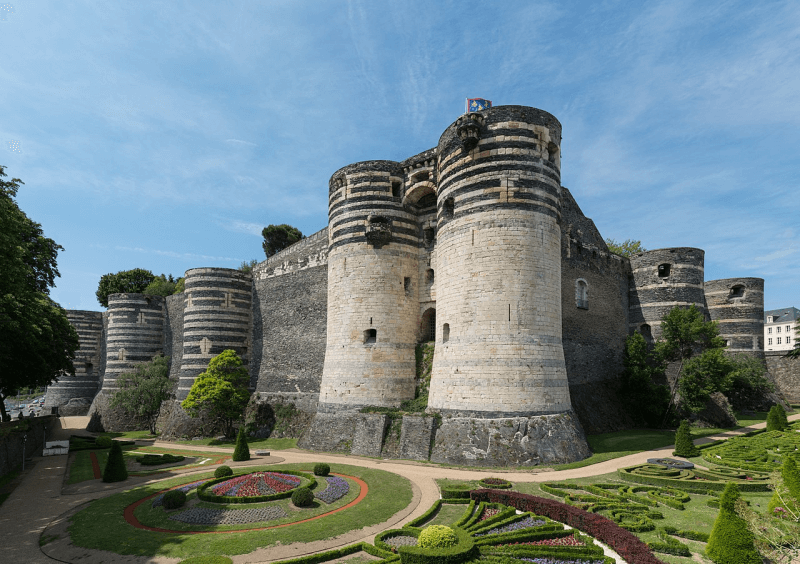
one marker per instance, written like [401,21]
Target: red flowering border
[625,543]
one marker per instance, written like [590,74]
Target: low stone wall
[12,440]
[785,372]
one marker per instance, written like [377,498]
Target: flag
[477,104]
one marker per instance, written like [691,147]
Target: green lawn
[260,444]
[102,525]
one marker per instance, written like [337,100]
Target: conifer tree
[115,470]
[242,451]
[731,542]
[683,442]
[782,417]
[774,422]
[784,500]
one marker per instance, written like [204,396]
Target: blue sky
[166,135]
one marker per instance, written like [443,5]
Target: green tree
[248,266]
[163,286]
[142,392]
[242,451]
[278,237]
[37,342]
[703,375]
[787,492]
[125,281]
[731,542]
[221,391]
[645,400]
[684,446]
[747,382]
[115,470]
[626,248]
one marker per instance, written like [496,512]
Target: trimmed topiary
[157,459]
[731,542]
[683,442]
[498,483]
[103,442]
[302,497]
[242,451]
[223,472]
[322,469]
[173,499]
[784,501]
[774,420]
[437,536]
[782,417]
[115,470]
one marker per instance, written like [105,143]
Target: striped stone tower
[498,309]
[83,386]
[216,317]
[135,334]
[373,290]
[737,305]
[664,279]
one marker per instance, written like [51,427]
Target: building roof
[783,314]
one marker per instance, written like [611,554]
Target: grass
[266,444]
[101,525]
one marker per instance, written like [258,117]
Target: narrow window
[396,189]
[778,329]
[429,276]
[407,285]
[646,333]
[769,341]
[370,336]
[769,330]
[445,332]
[737,291]
[779,340]
[581,294]
[427,328]
[449,207]
[428,235]
[663,270]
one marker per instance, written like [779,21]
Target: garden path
[39,500]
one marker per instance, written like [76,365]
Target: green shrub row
[506,515]
[434,509]
[202,491]
[590,551]
[695,486]
[693,535]
[461,552]
[473,518]
[468,512]
[555,530]
[158,459]
[339,553]
[455,492]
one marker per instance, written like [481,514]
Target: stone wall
[12,438]
[173,333]
[785,372]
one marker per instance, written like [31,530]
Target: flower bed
[254,487]
[158,500]
[337,489]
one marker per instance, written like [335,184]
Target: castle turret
[662,280]
[373,287]
[216,317]
[498,350]
[73,394]
[737,305]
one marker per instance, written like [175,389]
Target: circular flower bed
[255,487]
[671,463]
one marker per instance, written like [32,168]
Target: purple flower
[337,489]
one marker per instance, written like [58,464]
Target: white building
[780,328]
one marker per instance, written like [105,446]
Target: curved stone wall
[216,317]
[664,279]
[737,305]
[373,290]
[498,309]
[73,394]
[135,334]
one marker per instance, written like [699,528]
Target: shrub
[783,502]
[103,442]
[498,483]
[782,417]
[242,451]
[223,472]
[115,470]
[437,536]
[731,542]
[302,497]
[458,491]
[683,442]
[774,419]
[322,469]
[173,499]
[156,459]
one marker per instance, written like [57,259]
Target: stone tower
[737,305]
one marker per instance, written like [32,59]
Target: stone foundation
[105,419]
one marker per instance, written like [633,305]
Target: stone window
[646,332]
[429,276]
[727,343]
[370,336]
[428,326]
[396,186]
[421,176]
[445,332]
[737,291]
[407,285]
[663,270]
[428,235]
[449,207]
[581,294]
[121,354]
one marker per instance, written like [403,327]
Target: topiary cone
[784,420]
[683,442]
[731,542]
[242,451]
[115,470]
[774,419]
[790,476]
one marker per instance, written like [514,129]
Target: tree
[684,446]
[242,451]
[248,266]
[123,282]
[163,286]
[278,237]
[627,248]
[795,352]
[115,470]
[37,341]
[141,392]
[731,542]
[646,401]
[221,391]
[787,492]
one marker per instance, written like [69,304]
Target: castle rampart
[737,305]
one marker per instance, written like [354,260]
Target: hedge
[468,513]
[686,534]
[706,487]
[205,496]
[339,553]
[380,538]
[625,543]
[463,551]
[425,516]
[455,492]
[158,459]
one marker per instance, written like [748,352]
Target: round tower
[737,305]
[373,305]
[134,335]
[82,387]
[216,317]
[498,307]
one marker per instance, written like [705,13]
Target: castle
[473,244]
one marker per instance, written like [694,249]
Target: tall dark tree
[37,342]
[133,281]
[278,237]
